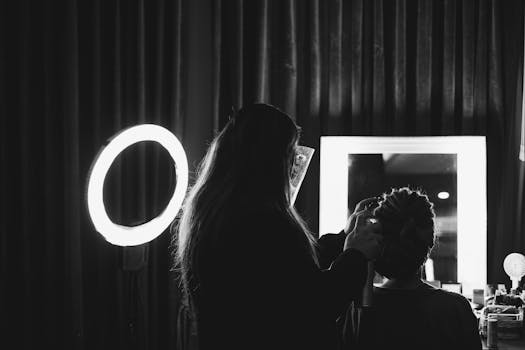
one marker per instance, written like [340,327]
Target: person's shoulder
[427,291]
[445,294]
[451,299]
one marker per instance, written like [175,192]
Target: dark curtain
[386,68]
[72,74]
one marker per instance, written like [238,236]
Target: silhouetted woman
[248,263]
[408,313]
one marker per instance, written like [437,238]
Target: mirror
[435,175]
[450,170]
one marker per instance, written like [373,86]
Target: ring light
[126,235]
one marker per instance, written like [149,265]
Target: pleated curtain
[73,73]
[385,68]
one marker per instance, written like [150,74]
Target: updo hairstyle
[407,219]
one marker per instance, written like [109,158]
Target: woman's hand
[365,235]
[350,223]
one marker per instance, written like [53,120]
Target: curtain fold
[72,180]
[386,68]
[73,73]
[522,138]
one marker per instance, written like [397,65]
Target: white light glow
[443,195]
[471,190]
[514,266]
[429,270]
[125,235]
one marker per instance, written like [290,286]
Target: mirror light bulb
[443,195]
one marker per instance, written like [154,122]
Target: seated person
[407,313]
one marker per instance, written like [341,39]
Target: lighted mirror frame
[471,190]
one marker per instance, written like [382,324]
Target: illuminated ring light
[126,235]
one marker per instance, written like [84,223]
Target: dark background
[73,73]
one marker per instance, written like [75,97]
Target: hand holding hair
[367,204]
[365,236]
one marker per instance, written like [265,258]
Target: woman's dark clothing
[329,247]
[423,318]
[260,287]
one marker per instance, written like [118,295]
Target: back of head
[248,161]
[407,219]
[261,140]
[247,167]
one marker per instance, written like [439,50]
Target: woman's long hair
[249,161]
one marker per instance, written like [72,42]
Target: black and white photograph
[262,174]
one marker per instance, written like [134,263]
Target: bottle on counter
[492,333]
